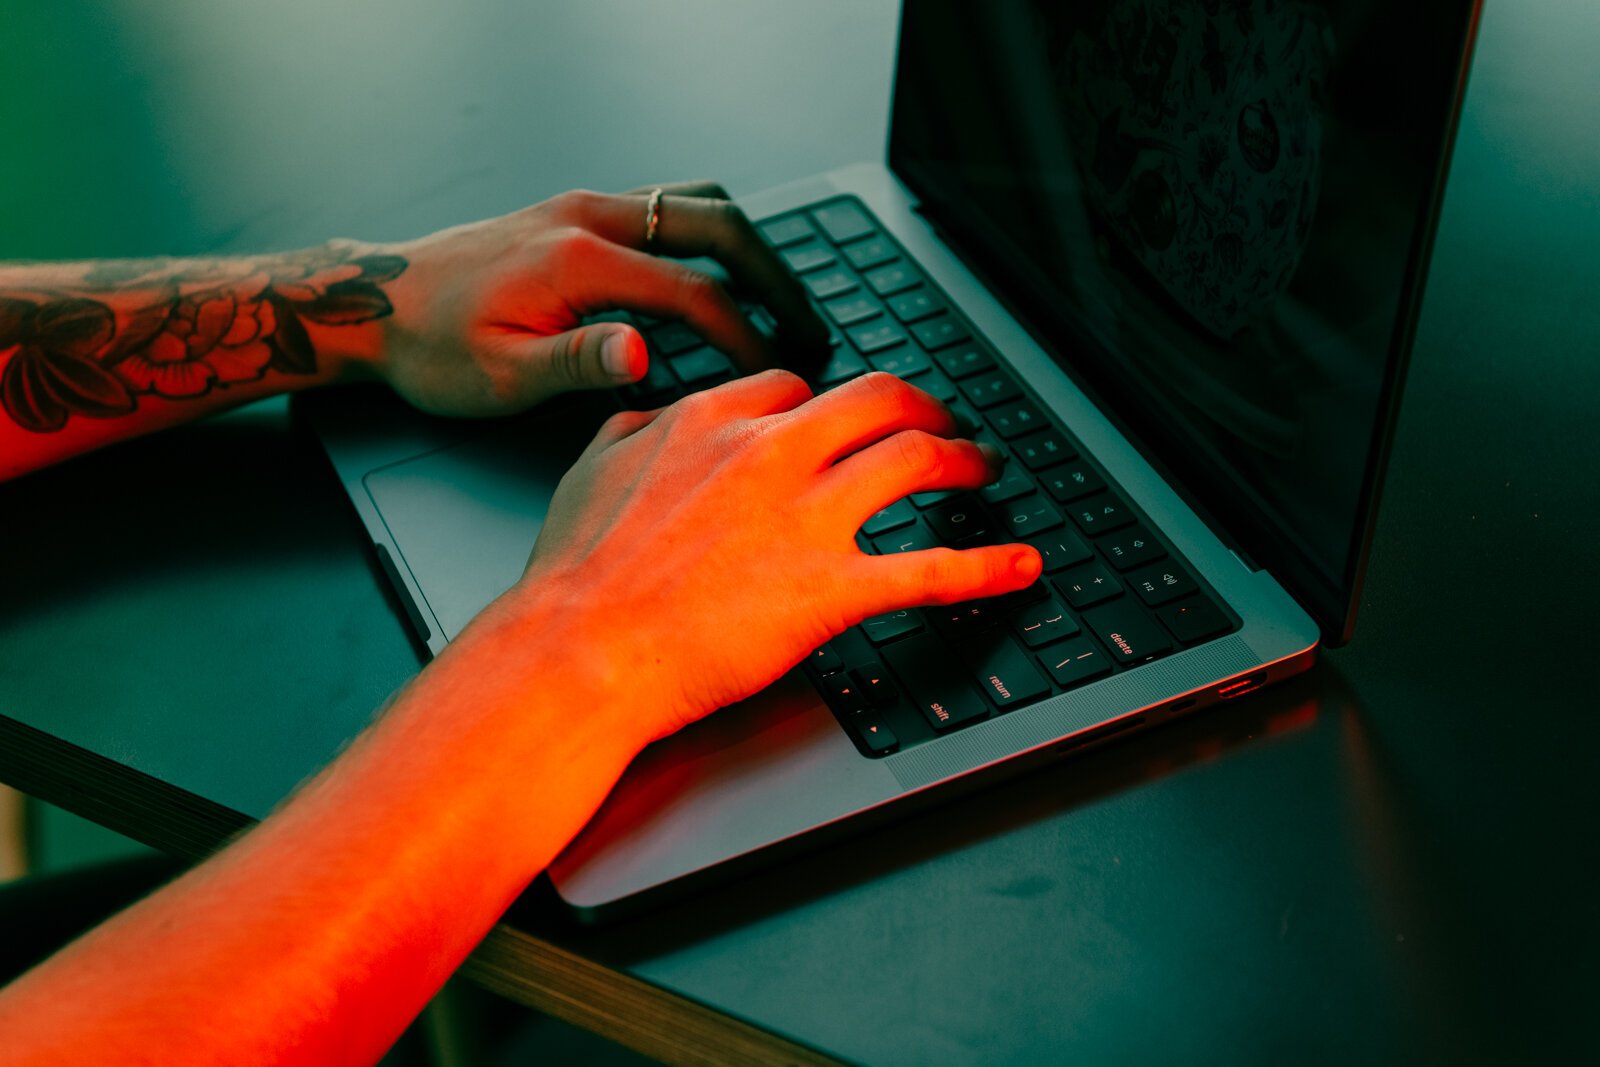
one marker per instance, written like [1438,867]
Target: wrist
[351,342]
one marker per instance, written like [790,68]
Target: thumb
[591,357]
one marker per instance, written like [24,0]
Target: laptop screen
[1215,214]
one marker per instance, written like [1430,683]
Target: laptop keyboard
[1114,594]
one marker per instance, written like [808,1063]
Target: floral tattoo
[145,328]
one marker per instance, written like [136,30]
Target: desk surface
[1387,855]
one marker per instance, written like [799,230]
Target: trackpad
[464,518]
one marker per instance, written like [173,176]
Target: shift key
[935,684]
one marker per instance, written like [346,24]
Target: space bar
[929,674]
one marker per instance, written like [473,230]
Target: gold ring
[652,219]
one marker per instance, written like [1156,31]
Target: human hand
[488,316]
[700,551]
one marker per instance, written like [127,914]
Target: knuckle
[920,455]
[574,203]
[566,356]
[700,291]
[938,574]
[743,435]
[788,378]
[621,424]
[696,407]
[888,392]
[571,245]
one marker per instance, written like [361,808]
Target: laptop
[1166,255]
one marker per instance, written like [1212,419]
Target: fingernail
[614,356]
[1027,565]
[991,453]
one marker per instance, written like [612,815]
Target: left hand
[488,317]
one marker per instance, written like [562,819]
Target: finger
[770,392]
[603,276]
[595,356]
[618,428]
[696,226]
[867,409]
[943,576]
[708,190]
[911,461]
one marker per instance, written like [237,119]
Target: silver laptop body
[453,509]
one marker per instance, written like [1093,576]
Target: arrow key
[874,733]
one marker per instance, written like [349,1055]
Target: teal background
[1388,859]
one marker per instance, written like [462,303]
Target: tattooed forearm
[92,342]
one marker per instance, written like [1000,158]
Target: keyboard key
[813,255]
[829,283]
[658,378]
[932,497]
[873,683]
[1128,633]
[960,520]
[965,360]
[1100,513]
[1075,661]
[1090,583]
[959,621]
[843,221]
[1012,484]
[875,337]
[933,681]
[1042,450]
[871,252]
[874,733]
[842,693]
[987,390]
[967,421]
[881,629]
[938,386]
[1014,420]
[1008,603]
[854,649]
[1029,515]
[942,332]
[702,366]
[849,310]
[1193,620]
[1061,549]
[841,368]
[1161,583]
[674,338]
[787,231]
[902,362]
[826,660]
[915,304]
[893,278]
[911,539]
[1071,482]
[1003,671]
[1043,623]
[1131,548]
[892,517]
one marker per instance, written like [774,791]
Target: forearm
[320,934]
[92,353]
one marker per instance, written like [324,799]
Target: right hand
[702,550]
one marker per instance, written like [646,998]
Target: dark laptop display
[1216,212]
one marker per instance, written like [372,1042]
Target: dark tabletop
[1387,857]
